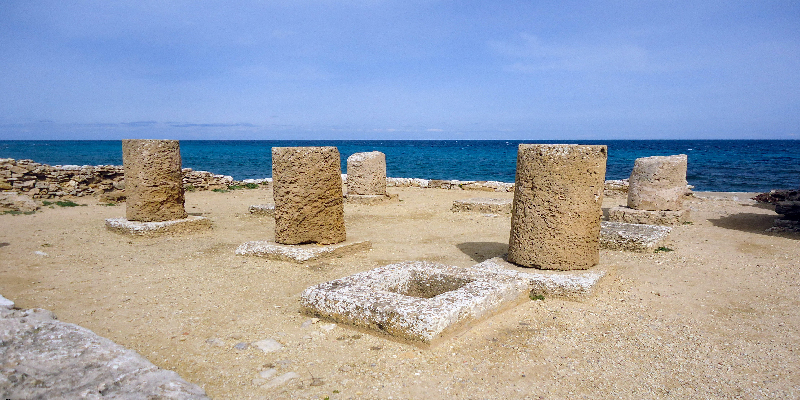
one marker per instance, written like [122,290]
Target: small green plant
[536,297]
[220,190]
[687,222]
[68,203]
[108,204]
[245,186]
[663,249]
[189,188]
[46,203]
[15,212]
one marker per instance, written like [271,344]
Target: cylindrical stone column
[555,218]
[153,180]
[307,188]
[366,173]
[658,183]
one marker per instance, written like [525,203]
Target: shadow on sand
[750,222]
[482,251]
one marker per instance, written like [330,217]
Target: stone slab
[263,209]
[44,358]
[573,285]
[632,237]
[137,228]
[647,217]
[300,253]
[483,205]
[369,198]
[418,302]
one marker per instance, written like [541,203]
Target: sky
[399,69]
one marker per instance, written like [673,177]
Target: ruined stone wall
[46,181]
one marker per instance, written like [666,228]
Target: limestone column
[658,183]
[307,187]
[555,218]
[366,174]
[153,180]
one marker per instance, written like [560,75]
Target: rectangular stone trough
[632,237]
[424,303]
[300,253]
[418,302]
[138,228]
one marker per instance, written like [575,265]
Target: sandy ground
[715,318]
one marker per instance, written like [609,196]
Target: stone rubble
[42,181]
[787,203]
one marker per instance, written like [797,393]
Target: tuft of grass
[536,297]
[220,190]
[189,188]
[15,212]
[68,203]
[663,249]
[687,222]
[46,203]
[245,186]
[108,204]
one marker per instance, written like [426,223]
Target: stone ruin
[366,177]
[154,190]
[309,206]
[656,190]
[555,220]
[424,303]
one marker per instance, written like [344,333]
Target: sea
[714,165]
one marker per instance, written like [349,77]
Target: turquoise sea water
[714,165]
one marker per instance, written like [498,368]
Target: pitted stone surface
[632,237]
[137,228]
[562,284]
[307,188]
[366,173]
[647,217]
[419,302]
[300,253]
[153,180]
[555,220]
[43,358]
[263,209]
[658,183]
[483,205]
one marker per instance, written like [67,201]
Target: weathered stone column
[658,183]
[153,180]
[555,220]
[366,174]
[307,187]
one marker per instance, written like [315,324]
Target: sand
[717,317]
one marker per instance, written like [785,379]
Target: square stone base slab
[574,285]
[300,253]
[483,205]
[370,198]
[263,209]
[417,302]
[631,216]
[137,228]
[632,237]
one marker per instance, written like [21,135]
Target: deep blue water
[714,165]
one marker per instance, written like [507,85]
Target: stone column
[658,183]
[307,187]
[153,180]
[555,219]
[366,174]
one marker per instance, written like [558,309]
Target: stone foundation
[300,253]
[424,303]
[138,228]
[632,237]
[483,205]
[631,216]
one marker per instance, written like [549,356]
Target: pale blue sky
[375,69]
